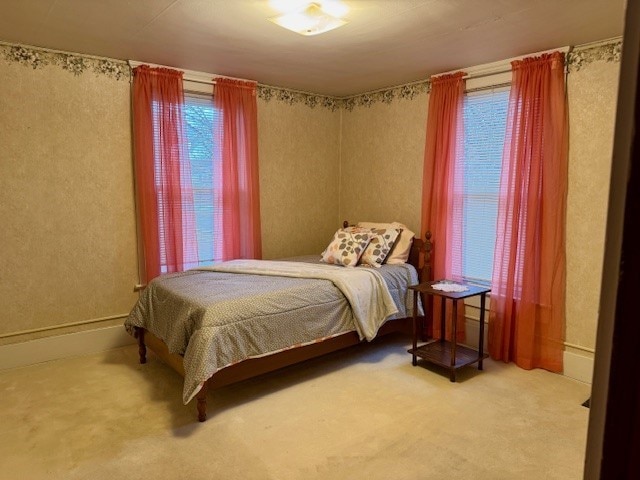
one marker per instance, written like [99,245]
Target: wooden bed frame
[420,258]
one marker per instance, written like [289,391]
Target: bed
[236,320]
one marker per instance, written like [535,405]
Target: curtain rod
[503,66]
[203,78]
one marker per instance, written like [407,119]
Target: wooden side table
[439,351]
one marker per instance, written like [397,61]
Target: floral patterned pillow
[402,247]
[380,246]
[347,246]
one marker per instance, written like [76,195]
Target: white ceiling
[385,43]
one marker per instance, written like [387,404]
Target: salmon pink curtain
[238,182]
[441,185]
[528,286]
[163,179]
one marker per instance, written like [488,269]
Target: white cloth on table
[449,287]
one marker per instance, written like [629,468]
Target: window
[198,178]
[485,117]
[201,118]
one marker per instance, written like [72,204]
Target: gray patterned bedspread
[216,319]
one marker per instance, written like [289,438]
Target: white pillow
[401,249]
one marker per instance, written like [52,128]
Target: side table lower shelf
[438,352]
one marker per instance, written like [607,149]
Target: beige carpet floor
[363,413]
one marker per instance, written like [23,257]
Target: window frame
[202,98]
[472,92]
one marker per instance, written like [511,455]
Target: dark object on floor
[587,403]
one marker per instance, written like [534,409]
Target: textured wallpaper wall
[381,160]
[68,231]
[299,176]
[592,94]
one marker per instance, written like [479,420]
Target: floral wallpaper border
[584,55]
[74,63]
[405,92]
[291,97]
[77,64]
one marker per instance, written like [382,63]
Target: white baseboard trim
[63,346]
[576,366]
[579,367]
[472,334]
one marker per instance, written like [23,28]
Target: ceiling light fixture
[309,18]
